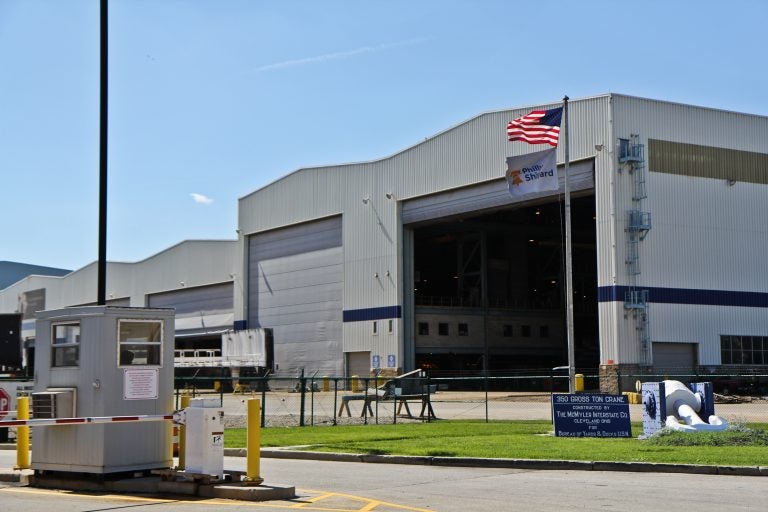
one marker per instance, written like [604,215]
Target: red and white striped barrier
[95,419]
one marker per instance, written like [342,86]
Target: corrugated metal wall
[202,309]
[490,195]
[192,262]
[200,299]
[709,234]
[369,194]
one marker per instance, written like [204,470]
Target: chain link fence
[307,401]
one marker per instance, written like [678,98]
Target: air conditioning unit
[54,403]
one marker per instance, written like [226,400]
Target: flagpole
[568,261]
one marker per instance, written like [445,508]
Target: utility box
[103,361]
[204,425]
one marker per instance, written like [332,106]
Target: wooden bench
[415,390]
[424,398]
[367,399]
[409,387]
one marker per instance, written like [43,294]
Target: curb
[554,465]
[10,475]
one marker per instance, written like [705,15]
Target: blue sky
[212,99]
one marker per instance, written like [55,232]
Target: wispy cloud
[200,198]
[339,55]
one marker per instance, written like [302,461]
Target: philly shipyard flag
[534,172]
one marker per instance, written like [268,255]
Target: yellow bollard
[578,382]
[22,434]
[184,403]
[253,444]
[355,383]
[326,383]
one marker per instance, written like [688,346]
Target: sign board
[376,361]
[9,390]
[591,415]
[140,384]
[391,361]
[5,403]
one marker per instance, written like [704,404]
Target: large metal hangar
[423,259]
[195,277]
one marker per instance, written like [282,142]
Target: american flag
[537,127]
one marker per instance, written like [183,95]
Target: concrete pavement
[8,474]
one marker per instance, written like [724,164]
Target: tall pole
[568,262]
[102,268]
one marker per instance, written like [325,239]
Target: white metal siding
[706,235]
[471,153]
[491,194]
[192,262]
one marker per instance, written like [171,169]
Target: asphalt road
[345,486]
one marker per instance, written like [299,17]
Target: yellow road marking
[313,504]
[309,501]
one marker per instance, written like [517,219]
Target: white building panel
[706,234]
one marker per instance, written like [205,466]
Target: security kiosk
[103,361]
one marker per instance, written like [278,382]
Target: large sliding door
[296,278]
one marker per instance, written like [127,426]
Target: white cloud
[200,198]
[338,55]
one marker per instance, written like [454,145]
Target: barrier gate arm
[176,417]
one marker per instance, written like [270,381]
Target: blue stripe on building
[688,296]
[360,315]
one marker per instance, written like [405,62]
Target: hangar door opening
[489,287]
[295,287]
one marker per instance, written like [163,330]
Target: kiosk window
[65,345]
[140,342]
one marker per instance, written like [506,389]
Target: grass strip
[513,439]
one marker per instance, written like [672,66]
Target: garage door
[359,363]
[296,278]
[675,355]
[199,310]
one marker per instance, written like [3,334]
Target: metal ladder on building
[632,155]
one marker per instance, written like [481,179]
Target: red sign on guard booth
[5,403]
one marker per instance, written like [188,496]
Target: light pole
[101,295]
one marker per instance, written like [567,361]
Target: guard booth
[103,361]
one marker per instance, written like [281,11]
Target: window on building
[744,349]
[390,326]
[543,331]
[423,329]
[525,331]
[65,345]
[507,331]
[463,329]
[442,328]
[375,327]
[140,342]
